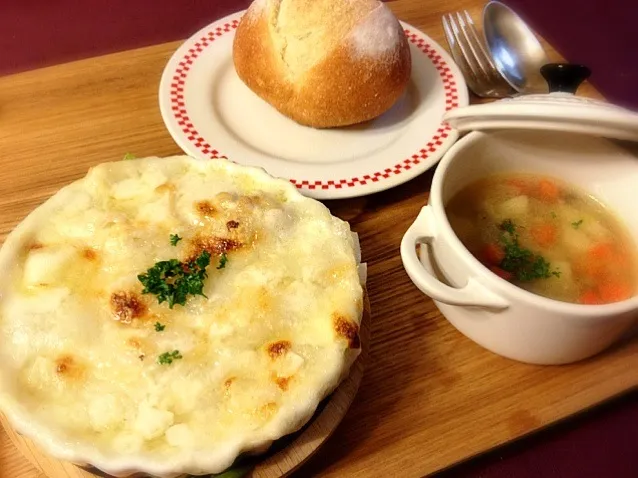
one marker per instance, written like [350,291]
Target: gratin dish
[284,457]
[556,135]
[103,374]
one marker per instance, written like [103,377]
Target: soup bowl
[492,312]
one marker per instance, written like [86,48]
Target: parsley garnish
[554,215]
[159,327]
[577,224]
[167,357]
[508,226]
[129,156]
[523,263]
[173,281]
[222,261]
[175,239]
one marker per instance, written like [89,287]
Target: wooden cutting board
[430,397]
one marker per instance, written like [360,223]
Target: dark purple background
[599,33]
[34,33]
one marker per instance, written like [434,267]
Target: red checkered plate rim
[195,140]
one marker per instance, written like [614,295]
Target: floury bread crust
[80,368]
[323,63]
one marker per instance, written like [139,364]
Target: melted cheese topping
[274,335]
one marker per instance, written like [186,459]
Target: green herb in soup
[547,237]
[517,261]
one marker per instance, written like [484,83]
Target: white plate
[211,114]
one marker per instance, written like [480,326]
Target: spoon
[517,53]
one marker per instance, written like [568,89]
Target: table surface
[546,455]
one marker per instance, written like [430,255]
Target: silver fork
[472,57]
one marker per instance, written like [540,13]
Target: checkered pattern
[177,89]
[451,93]
[181,115]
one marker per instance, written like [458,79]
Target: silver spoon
[516,52]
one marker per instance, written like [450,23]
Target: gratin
[96,370]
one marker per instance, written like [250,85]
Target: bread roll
[323,63]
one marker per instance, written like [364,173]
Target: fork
[472,57]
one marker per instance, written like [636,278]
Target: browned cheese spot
[347,329]
[68,368]
[139,346]
[127,306]
[205,209]
[34,246]
[279,348]
[232,225]
[134,342]
[227,384]
[89,254]
[214,245]
[267,410]
[282,382]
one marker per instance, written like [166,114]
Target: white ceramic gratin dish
[85,453]
[492,312]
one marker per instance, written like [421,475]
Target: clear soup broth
[547,237]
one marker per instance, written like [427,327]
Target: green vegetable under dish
[234,472]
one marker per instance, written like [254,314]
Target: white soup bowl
[492,312]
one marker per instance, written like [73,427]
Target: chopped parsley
[129,156]
[523,263]
[167,357]
[172,281]
[159,327]
[175,239]
[577,224]
[222,261]
[508,226]
[554,216]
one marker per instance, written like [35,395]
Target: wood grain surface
[430,397]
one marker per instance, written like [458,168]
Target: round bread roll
[323,63]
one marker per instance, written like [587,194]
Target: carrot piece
[607,256]
[503,274]
[614,291]
[589,297]
[548,191]
[590,269]
[492,254]
[521,186]
[544,234]
[603,251]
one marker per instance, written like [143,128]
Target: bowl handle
[423,230]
